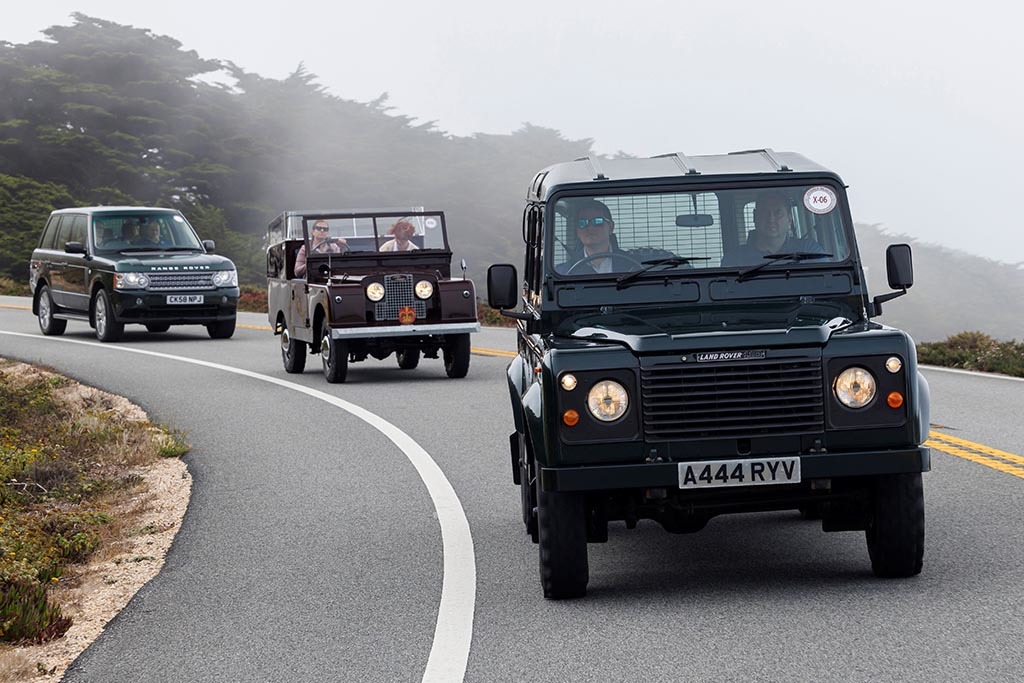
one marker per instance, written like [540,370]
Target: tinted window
[77,229]
[142,231]
[50,233]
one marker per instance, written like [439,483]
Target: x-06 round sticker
[820,199]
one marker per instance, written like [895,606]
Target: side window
[78,229]
[49,239]
[533,234]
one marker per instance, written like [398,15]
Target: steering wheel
[603,254]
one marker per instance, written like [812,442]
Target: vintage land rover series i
[350,285]
[696,338]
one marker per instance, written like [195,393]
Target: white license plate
[184,298]
[749,472]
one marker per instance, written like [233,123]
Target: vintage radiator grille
[162,282]
[398,294]
[733,400]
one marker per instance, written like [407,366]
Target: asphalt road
[312,549]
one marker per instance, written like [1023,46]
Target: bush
[26,614]
[9,287]
[974,351]
[253,298]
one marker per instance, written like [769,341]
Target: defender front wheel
[49,325]
[562,536]
[408,359]
[334,355]
[895,532]
[456,356]
[293,353]
[108,328]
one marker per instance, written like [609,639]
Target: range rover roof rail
[595,167]
[769,154]
[682,161]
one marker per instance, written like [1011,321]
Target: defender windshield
[380,233]
[112,233]
[699,230]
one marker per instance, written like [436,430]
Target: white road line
[974,373]
[453,632]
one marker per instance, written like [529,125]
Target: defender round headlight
[607,400]
[424,289]
[375,291]
[855,387]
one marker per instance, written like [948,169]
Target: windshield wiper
[671,261]
[777,258]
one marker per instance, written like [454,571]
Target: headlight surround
[375,291]
[855,387]
[225,278]
[607,400]
[424,289]
[131,281]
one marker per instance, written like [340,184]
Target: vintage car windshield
[700,230]
[382,233]
[112,233]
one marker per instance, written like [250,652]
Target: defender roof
[676,166]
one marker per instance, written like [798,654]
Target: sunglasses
[321,228]
[593,222]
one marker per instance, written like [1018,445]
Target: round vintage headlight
[855,387]
[375,291]
[607,400]
[424,289]
[225,278]
[131,281]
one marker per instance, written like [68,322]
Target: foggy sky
[919,109]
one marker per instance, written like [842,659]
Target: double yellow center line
[1009,463]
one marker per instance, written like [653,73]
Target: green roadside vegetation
[974,351]
[69,465]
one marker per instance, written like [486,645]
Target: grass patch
[67,462]
[974,351]
[253,299]
[9,287]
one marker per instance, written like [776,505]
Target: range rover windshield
[699,230]
[113,233]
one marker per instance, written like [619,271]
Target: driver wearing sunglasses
[594,227]
[320,244]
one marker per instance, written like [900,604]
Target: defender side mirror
[74,248]
[209,245]
[899,268]
[502,285]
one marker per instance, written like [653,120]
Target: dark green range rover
[696,338]
[114,265]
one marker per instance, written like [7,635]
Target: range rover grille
[162,282]
[733,400]
[398,293]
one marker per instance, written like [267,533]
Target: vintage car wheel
[222,329]
[334,355]
[895,532]
[562,536]
[157,327]
[456,355]
[408,358]
[49,325]
[108,329]
[293,353]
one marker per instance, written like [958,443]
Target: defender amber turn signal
[570,418]
[895,399]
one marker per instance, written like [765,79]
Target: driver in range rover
[594,229]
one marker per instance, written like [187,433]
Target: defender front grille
[398,293]
[164,282]
[769,397]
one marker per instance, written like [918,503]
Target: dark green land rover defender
[114,265]
[696,338]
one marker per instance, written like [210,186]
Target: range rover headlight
[131,281]
[375,291]
[225,278]
[607,400]
[855,387]
[424,289]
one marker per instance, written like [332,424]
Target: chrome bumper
[404,330]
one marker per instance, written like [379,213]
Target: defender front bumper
[666,474]
[403,330]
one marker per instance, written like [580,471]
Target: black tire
[334,355]
[293,353]
[456,356]
[48,325]
[895,531]
[157,327]
[408,359]
[108,328]
[562,536]
[527,492]
[222,329]
[810,511]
